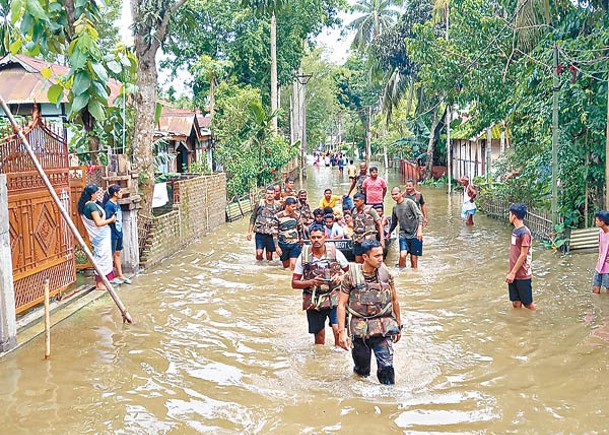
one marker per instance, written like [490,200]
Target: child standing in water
[520,276]
[601,273]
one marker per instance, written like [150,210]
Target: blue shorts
[117,243]
[600,279]
[265,241]
[289,251]
[521,290]
[413,246]
[317,319]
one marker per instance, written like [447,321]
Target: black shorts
[289,251]
[521,290]
[317,319]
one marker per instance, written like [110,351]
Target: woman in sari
[94,219]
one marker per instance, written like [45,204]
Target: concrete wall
[8,326]
[199,207]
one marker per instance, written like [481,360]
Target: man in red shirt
[519,277]
[375,188]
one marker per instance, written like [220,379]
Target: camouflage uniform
[263,220]
[306,218]
[326,295]
[365,224]
[360,181]
[286,232]
[372,324]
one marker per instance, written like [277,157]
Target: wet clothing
[263,217]
[372,324]
[413,246]
[287,228]
[365,224]
[383,352]
[409,216]
[521,290]
[265,242]
[521,237]
[602,263]
[289,251]
[375,189]
[317,319]
[600,280]
[334,233]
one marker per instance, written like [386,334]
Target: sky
[336,47]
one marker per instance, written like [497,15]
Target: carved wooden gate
[41,242]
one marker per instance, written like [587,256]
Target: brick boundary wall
[199,208]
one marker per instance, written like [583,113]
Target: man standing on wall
[112,208]
[262,222]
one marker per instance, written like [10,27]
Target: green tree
[377,17]
[151,21]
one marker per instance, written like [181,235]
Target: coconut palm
[270,8]
[377,16]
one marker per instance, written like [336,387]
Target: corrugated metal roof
[21,80]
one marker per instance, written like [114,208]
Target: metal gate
[41,243]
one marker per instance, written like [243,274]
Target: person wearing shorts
[318,273]
[409,216]
[287,233]
[519,278]
[601,271]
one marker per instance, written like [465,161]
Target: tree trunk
[430,145]
[274,102]
[144,103]
[212,97]
[368,136]
[93,141]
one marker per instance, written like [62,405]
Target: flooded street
[220,345]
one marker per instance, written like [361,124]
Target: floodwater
[220,345]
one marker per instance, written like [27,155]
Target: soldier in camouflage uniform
[358,181]
[287,233]
[306,215]
[368,295]
[262,222]
[318,273]
[367,225]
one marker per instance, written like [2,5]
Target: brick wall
[199,207]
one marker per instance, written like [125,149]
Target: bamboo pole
[47,320]
[126,316]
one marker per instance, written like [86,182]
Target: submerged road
[220,345]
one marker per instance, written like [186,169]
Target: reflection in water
[220,345]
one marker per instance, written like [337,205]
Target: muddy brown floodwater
[220,345]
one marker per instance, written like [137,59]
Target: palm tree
[270,8]
[377,16]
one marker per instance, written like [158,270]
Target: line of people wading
[359,299]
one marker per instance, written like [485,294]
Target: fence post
[8,319]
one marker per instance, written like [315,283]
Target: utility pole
[449,162]
[555,139]
[489,152]
[303,79]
